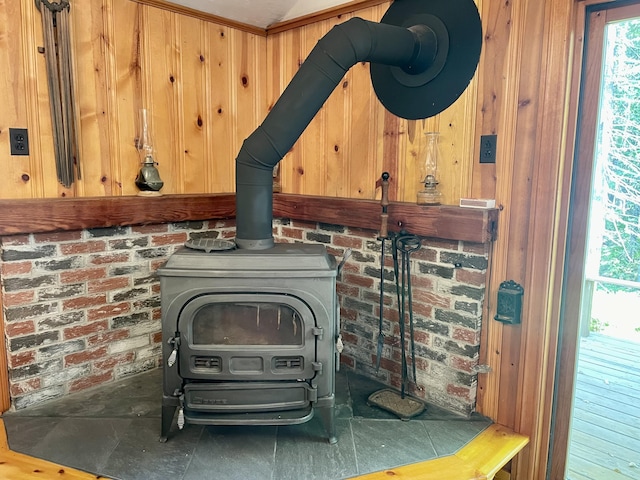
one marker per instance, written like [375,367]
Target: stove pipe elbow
[356,40]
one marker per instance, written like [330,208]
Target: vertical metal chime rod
[57,46]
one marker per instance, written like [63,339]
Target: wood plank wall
[208,85]
[202,82]
[353,139]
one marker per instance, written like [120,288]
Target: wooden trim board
[49,215]
[482,458]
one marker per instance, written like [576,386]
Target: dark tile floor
[113,431]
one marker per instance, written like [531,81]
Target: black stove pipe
[412,49]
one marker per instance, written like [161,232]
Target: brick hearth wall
[82,308]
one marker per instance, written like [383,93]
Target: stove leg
[168,412]
[328,415]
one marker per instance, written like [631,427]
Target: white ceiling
[259,13]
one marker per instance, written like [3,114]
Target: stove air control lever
[175,342]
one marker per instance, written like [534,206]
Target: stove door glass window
[250,323]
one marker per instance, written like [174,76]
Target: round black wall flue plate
[414,98]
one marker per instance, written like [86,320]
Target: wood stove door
[252,336]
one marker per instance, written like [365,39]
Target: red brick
[156,337]
[425,254]
[91,381]
[107,284]
[348,314]
[155,288]
[229,234]
[18,298]
[17,329]
[364,233]
[85,356]
[84,302]
[145,229]
[430,298]
[92,246]
[348,337]
[347,242]
[84,330]
[16,268]
[107,311]
[25,387]
[422,337]
[390,366]
[351,268]
[156,264]
[422,309]
[109,258]
[292,233]
[57,237]
[421,281]
[15,240]
[471,277]
[463,364]
[108,337]
[347,290]
[304,224]
[22,358]
[466,335]
[113,360]
[156,314]
[477,248]
[460,392]
[358,280]
[83,275]
[169,239]
[225,224]
[347,360]
[442,244]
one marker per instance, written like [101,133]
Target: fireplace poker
[384,234]
[405,244]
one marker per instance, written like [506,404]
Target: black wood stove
[249,337]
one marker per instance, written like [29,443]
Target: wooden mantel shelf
[50,215]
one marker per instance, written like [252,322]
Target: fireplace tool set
[404,244]
[228,360]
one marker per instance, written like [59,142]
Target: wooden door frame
[592,16]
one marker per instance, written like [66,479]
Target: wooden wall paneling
[498,70]
[221,154]
[491,77]
[524,160]
[14,101]
[320,164]
[291,167]
[248,61]
[94,44]
[363,156]
[159,29]
[128,43]
[193,38]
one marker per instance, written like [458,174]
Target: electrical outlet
[488,148]
[19,138]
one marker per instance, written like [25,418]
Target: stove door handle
[172,358]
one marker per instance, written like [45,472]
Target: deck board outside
[605,430]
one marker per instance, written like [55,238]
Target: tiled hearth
[113,430]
